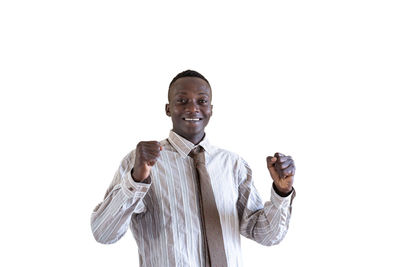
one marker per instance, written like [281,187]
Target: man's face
[190,107]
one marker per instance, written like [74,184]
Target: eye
[181,100]
[203,101]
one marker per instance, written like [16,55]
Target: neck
[195,139]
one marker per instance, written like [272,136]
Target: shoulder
[217,151]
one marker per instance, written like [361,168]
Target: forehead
[190,85]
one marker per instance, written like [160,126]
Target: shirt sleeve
[265,223]
[110,218]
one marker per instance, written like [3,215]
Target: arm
[266,224]
[110,219]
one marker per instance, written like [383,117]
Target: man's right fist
[146,156]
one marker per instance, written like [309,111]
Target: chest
[175,180]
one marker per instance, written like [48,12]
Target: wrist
[135,177]
[282,192]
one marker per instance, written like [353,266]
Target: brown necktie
[215,251]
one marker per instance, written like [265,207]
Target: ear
[167,111]
[211,110]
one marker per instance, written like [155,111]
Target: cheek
[208,112]
[173,112]
[175,115]
[176,110]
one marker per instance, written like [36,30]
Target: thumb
[271,166]
[150,163]
[270,162]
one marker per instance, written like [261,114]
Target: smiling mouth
[192,119]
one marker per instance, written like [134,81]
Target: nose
[192,107]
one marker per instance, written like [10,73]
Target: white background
[83,81]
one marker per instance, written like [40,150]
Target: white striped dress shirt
[164,214]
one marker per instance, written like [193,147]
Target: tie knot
[196,150]
[197,154]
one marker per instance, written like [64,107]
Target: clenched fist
[146,156]
[282,171]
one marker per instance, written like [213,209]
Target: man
[186,201]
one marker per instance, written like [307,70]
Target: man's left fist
[282,171]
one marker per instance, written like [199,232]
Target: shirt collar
[184,146]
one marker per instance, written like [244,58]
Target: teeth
[190,119]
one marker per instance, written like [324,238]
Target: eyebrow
[184,93]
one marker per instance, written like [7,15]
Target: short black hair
[186,73]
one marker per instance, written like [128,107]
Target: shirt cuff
[282,202]
[132,188]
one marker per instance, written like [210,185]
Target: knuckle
[141,145]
